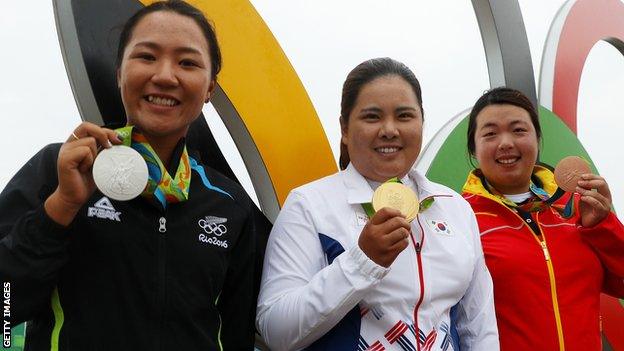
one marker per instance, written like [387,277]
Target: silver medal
[120,172]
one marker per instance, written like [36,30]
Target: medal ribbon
[160,188]
[537,203]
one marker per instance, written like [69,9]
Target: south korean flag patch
[440,227]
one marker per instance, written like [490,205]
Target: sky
[323,40]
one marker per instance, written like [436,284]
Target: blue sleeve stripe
[331,247]
[454,333]
[202,173]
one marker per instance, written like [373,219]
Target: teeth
[387,150]
[161,101]
[508,160]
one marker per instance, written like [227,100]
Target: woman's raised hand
[75,181]
[594,205]
[385,236]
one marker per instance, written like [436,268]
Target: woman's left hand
[594,205]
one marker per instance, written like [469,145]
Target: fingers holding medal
[103,137]
[81,148]
[589,182]
[118,171]
[76,158]
[573,174]
[387,232]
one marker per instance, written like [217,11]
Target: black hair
[181,8]
[364,73]
[500,96]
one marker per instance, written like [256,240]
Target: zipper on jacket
[161,297]
[418,248]
[551,274]
[162,225]
[553,285]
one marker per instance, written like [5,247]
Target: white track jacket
[321,292]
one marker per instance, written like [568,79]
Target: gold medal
[397,196]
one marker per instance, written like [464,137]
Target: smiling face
[506,147]
[384,131]
[164,77]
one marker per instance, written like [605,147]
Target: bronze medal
[568,172]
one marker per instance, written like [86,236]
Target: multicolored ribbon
[538,202]
[161,188]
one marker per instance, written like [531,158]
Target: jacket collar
[359,190]
[474,184]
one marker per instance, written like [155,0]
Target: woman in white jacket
[335,279]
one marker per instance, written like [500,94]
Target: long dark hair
[181,8]
[362,74]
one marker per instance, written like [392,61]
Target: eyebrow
[182,49]
[398,109]
[370,109]
[405,108]
[494,125]
[489,125]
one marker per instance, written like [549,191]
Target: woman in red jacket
[549,266]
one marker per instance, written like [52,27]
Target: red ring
[588,22]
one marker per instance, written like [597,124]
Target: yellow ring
[268,96]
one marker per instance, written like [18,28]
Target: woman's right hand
[75,181]
[384,237]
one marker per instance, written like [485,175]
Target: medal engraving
[120,173]
[568,172]
[397,196]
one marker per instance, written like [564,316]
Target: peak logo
[104,209]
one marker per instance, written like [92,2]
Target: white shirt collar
[359,190]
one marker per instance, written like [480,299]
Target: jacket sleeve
[33,248]
[607,240]
[302,296]
[476,319]
[237,301]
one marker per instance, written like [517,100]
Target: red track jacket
[547,285]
